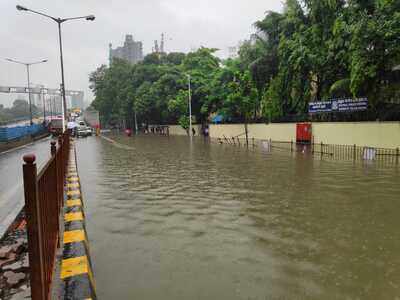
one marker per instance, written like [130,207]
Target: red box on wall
[304,133]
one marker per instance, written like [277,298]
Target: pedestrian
[206,131]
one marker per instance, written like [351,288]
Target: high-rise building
[36,95]
[159,49]
[131,51]
[77,100]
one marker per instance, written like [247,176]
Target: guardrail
[44,194]
[16,132]
[340,152]
[354,152]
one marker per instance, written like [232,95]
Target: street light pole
[44,105]
[64,110]
[136,125]
[29,95]
[27,65]
[190,106]
[59,21]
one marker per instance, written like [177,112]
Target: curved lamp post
[29,85]
[59,21]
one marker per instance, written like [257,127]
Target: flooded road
[172,220]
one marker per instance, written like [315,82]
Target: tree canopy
[311,51]
[18,111]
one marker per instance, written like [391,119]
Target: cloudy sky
[187,23]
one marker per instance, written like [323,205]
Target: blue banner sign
[338,105]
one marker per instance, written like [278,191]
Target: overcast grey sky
[187,24]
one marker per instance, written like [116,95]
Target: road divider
[76,271]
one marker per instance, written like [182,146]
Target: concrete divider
[76,270]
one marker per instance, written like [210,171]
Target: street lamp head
[45,60]
[90,18]
[19,7]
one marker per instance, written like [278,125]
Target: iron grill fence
[342,152]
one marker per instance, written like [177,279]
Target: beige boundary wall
[276,132]
[178,130]
[373,134]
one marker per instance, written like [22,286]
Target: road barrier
[44,196]
[8,134]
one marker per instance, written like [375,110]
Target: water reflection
[172,221]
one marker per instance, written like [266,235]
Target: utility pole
[190,106]
[44,105]
[29,95]
[136,125]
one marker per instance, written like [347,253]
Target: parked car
[89,131]
[84,131]
[81,132]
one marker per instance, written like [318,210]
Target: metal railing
[44,194]
[340,152]
[236,141]
[354,152]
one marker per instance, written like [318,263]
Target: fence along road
[11,182]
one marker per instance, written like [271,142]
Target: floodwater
[170,219]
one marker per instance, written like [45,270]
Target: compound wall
[373,134]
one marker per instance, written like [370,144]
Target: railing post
[291,145]
[397,155]
[60,145]
[253,142]
[35,239]
[322,149]
[354,151]
[53,148]
[312,145]
[53,151]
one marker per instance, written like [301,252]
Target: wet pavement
[170,219]
[14,262]
[11,181]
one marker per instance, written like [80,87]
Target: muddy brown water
[170,219]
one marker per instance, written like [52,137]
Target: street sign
[338,105]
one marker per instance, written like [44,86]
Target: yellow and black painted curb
[76,269]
